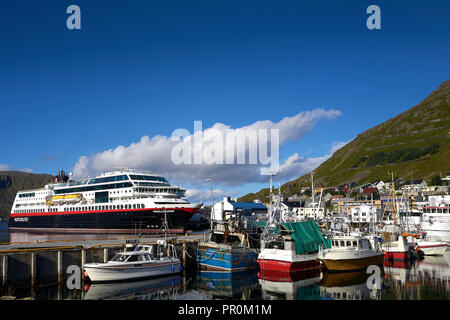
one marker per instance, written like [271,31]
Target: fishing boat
[288,246]
[350,253]
[395,244]
[398,249]
[228,247]
[432,248]
[143,261]
[292,247]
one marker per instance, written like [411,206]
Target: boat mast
[270,198]
[394,205]
[279,204]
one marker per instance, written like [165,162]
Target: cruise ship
[122,201]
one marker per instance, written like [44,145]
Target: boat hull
[106,221]
[102,273]
[226,259]
[433,249]
[353,264]
[396,255]
[288,266]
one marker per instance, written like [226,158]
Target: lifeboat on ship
[67,198]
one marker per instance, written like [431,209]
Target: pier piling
[184,255]
[4,269]
[83,261]
[33,268]
[60,266]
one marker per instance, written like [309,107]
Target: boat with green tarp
[291,247]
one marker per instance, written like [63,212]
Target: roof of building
[370,190]
[244,206]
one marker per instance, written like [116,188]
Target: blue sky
[146,68]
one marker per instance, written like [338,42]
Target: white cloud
[7,167]
[204,195]
[155,153]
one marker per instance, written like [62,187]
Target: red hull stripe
[396,255]
[432,246]
[40,214]
[285,266]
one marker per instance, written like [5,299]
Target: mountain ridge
[413,144]
[13,181]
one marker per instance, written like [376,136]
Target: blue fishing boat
[216,256]
[228,247]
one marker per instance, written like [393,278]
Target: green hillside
[13,181]
[415,144]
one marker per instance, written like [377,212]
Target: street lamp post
[212,204]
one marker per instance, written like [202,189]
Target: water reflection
[240,285]
[426,279]
[165,288]
[293,286]
[348,286]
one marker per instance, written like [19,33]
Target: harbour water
[426,279]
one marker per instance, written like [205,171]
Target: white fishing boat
[143,261]
[432,248]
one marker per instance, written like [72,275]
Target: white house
[365,214]
[380,185]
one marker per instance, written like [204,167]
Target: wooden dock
[47,262]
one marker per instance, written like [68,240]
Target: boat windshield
[119,258]
[365,244]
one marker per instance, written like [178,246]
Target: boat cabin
[142,253]
[351,242]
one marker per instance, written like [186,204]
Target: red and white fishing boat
[294,248]
[399,249]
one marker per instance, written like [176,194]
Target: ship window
[142,206]
[355,243]
[134,206]
[342,243]
[348,243]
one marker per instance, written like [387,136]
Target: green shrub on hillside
[400,155]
